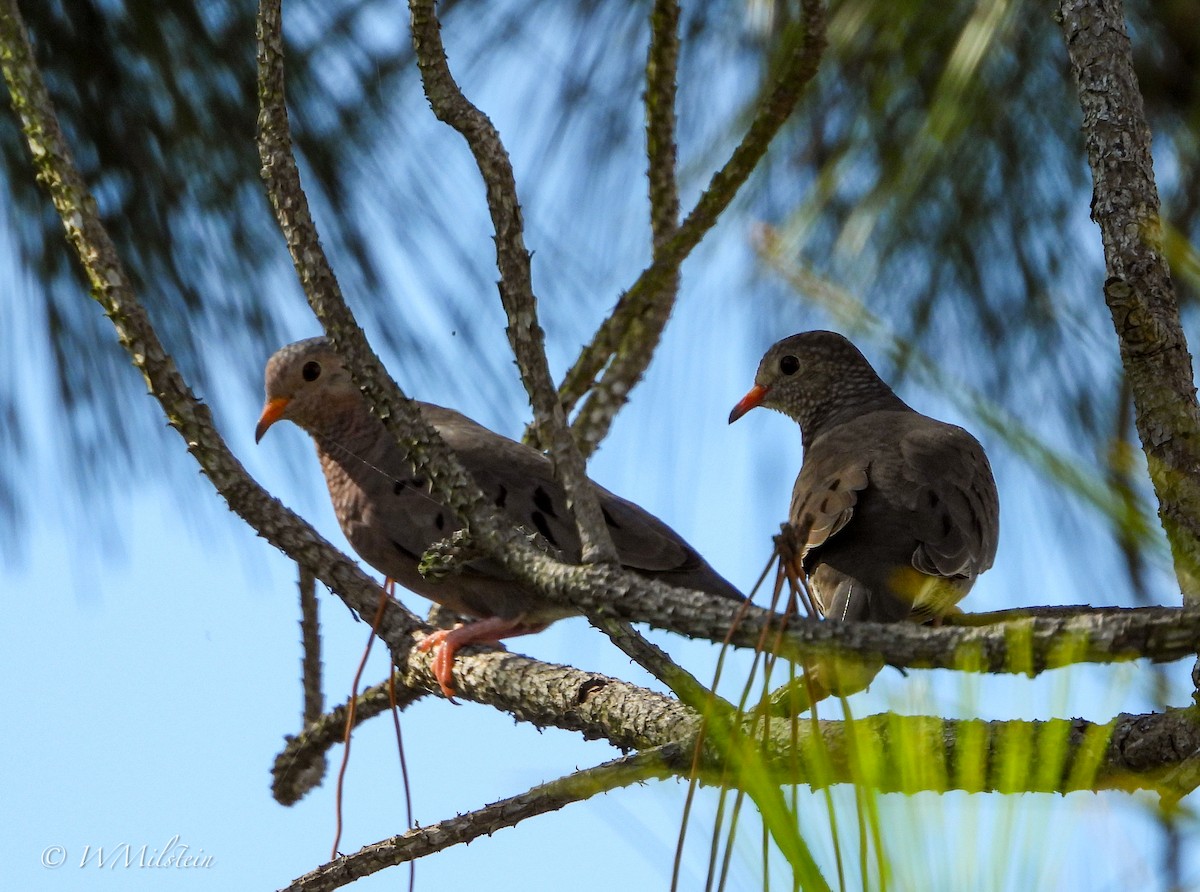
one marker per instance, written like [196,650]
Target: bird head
[814,375]
[304,381]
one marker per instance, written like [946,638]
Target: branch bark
[1138,289]
[449,481]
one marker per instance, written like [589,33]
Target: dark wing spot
[539,521]
[440,521]
[947,525]
[608,518]
[835,484]
[404,551]
[543,502]
[932,498]
[398,487]
[502,497]
[418,482]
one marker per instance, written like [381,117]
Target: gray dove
[896,513]
[385,509]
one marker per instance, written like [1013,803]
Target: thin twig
[623,332]
[516,282]
[310,639]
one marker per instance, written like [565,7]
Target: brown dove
[384,507]
[896,512]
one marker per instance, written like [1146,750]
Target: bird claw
[443,660]
[449,641]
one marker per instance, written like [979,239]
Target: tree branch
[525,335]
[662,72]
[632,325]
[1138,289]
[450,482]
[907,754]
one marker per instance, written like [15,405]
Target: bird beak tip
[271,413]
[751,400]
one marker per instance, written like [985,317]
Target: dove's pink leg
[448,642]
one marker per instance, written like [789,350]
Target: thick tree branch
[506,813]
[1138,289]
[525,335]
[626,327]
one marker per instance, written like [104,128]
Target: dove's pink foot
[448,642]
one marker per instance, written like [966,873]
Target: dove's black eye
[789,365]
[311,371]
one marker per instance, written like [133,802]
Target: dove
[384,506]
[896,513]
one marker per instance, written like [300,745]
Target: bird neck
[352,442]
[852,402]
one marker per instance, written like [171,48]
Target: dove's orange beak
[749,401]
[271,413]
